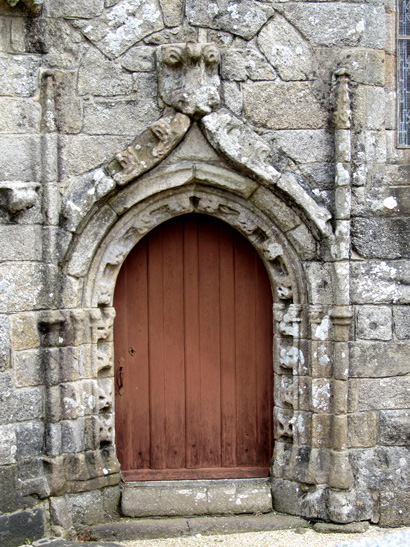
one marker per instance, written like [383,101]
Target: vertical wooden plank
[173,284]
[136,374]
[209,324]
[157,355]
[245,352]
[192,360]
[264,365]
[227,336]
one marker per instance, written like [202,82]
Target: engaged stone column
[340,471]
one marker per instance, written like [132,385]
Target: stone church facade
[279,119]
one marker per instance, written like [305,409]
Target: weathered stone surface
[8,444]
[286,49]
[305,146]
[381,468]
[68,107]
[20,243]
[19,158]
[243,18]
[172,11]
[401,315]
[50,37]
[384,393]
[362,429]
[22,286]
[395,427]
[99,76]
[340,24]
[17,527]
[381,238]
[378,282]
[28,368]
[19,115]
[24,332]
[84,192]
[122,117]
[122,25]
[393,513]
[283,215]
[82,153]
[76,8]
[139,59]
[72,435]
[240,64]
[4,33]
[349,506]
[263,104]
[86,508]
[319,279]
[60,512]
[30,440]
[374,322]
[232,97]
[194,147]
[19,405]
[18,75]
[4,343]
[369,107]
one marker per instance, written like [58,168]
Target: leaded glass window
[403,72]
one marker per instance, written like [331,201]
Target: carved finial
[342,113]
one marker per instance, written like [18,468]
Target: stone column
[340,472]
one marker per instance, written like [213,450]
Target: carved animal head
[188,77]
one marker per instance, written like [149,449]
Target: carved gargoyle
[188,77]
[33,5]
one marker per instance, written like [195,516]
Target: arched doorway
[193,355]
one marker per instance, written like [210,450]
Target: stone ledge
[127,530]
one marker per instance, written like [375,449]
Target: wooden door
[193,355]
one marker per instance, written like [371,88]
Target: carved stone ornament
[33,5]
[342,113]
[240,145]
[188,77]
[150,147]
[18,196]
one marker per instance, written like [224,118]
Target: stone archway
[172,169]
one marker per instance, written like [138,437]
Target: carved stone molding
[150,147]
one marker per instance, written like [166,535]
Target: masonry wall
[78,82]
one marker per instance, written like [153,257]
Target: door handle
[120,377]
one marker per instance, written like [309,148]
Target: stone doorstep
[168,527]
[199,497]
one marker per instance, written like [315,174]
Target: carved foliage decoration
[188,77]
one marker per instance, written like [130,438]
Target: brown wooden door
[193,338]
